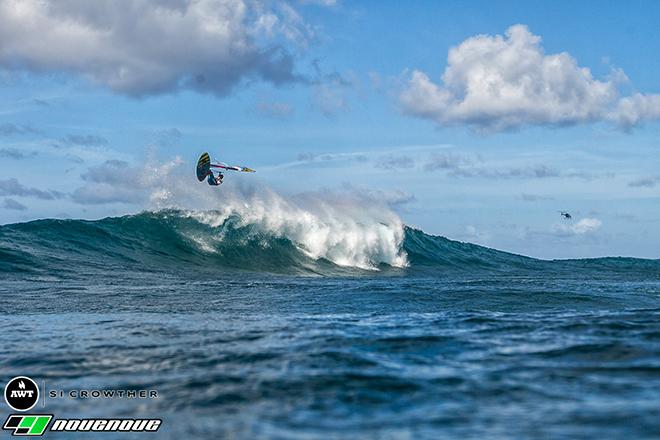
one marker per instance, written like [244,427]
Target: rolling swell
[177,240]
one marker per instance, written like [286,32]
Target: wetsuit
[212,180]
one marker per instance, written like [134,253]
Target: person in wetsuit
[214,181]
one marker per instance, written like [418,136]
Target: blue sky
[473,121]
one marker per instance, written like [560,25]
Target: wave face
[300,243]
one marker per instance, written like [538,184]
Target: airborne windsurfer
[204,171]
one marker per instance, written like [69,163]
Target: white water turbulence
[345,227]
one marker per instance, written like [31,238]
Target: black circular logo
[21,393]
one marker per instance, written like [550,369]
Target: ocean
[248,329]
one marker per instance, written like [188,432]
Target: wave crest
[341,229]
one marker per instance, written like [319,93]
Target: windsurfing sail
[203,166]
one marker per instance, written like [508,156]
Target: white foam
[347,228]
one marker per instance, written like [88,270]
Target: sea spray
[347,237]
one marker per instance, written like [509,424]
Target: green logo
[31,424]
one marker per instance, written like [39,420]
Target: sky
[477,121]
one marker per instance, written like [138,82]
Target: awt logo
[21,393]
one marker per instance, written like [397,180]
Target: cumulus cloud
[140,47]
[12,187]
[113,181]
[495,83]
[635,109]
[584,226]
[116,181]
[13,205]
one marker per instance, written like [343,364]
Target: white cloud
[635,109]
[506,82]
[115,181]
[584,226]
[141,47]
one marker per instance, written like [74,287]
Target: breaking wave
[251,238]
